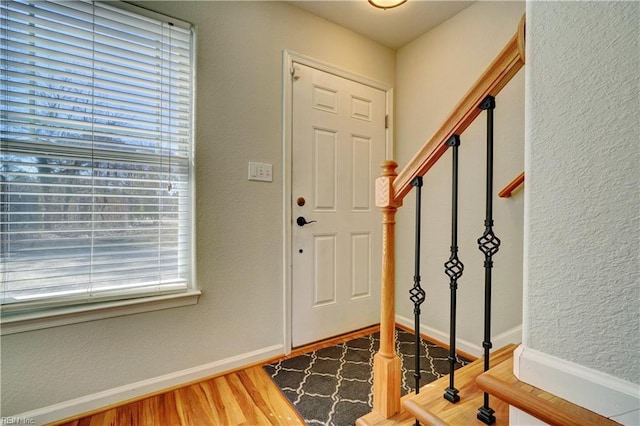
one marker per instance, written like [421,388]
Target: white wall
[433,73]
[239,223]
[581,320]
[582,300]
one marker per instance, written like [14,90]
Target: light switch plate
[261,172]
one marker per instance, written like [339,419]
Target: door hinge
[386,121]
[294,72]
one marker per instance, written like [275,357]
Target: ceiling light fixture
[386,4]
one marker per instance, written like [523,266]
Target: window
[96,155]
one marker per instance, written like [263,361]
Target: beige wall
[239,223]
[433,73]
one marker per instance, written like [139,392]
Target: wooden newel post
[386,363]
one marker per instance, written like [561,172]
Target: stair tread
[502,383]
[404,418]
[429,402]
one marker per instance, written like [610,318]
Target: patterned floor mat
[332,386]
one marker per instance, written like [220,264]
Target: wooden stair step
[503,384]
[404,418]
[431,408]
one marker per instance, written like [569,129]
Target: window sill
[20,323]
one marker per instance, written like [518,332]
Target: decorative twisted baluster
[453,268]
[488,244]
[417,294]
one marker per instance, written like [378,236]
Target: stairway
[502,383]
[430,408]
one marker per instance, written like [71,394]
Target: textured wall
[583,173]
[239,223]
[433,73]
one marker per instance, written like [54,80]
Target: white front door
[338,147]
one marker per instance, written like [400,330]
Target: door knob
[301,221]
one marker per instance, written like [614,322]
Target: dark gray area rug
[333,386]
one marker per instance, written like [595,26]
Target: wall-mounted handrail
[495,77]
[511,186]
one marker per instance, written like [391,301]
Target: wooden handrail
[511,186]
[504,385]
[495,77]
[390,192]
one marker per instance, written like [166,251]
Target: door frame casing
[288,59]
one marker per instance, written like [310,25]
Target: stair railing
[512,186]
[391,189]
[453,268]
[417,293]
[489,245]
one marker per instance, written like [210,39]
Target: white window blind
[96,154]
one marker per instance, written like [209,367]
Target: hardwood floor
[243,397]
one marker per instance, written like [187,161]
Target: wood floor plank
[261,408]
[193,407]
[167,410]
[148,412]
[215,399]
[228,401]
[107,418]
[131,414]
[268,397]
[252,415]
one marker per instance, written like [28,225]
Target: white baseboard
[131,391]
[601,393]
[513,335]
[520,418]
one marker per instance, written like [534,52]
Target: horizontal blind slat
[95,156]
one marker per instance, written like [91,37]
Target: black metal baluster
[416,292]
[488,244]
[453,268]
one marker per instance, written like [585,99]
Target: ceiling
[392,27]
